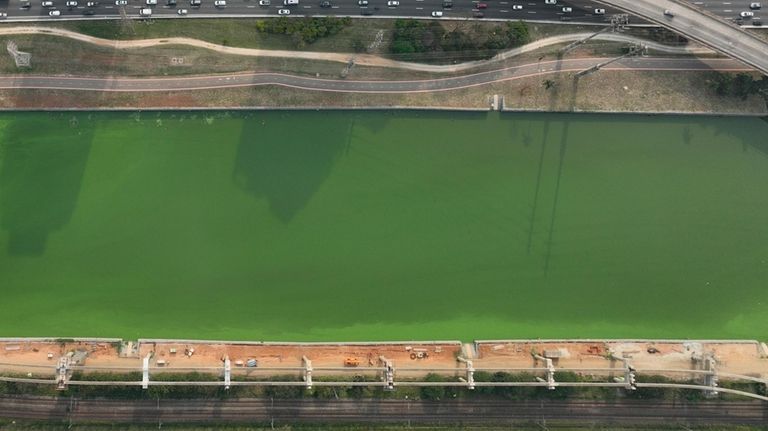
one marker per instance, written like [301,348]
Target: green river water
[382,225]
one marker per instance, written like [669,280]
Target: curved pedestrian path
[203,82]
[360,59]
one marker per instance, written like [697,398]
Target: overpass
[701,26]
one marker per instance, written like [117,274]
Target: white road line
[530,11]
[505,11]
[419,8]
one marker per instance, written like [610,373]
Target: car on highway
[71,3]
[362,2]
[121,2]
[599,11]
[325,3]
[550,1]
[567,9]
[447,4]
[151,2]
[47,3]
[284,12]
[437,13]
[25,5]
[482,6]
[668,13]
[517,7]
[393,3]
[747,14]
[220,3]
[264,2]
[181,12]
[756,22]
[92,4]
[3,14]
[755,5]
[171,3]
[195,3]
[145,12]
[54,13]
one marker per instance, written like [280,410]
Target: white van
[145,12]
[290,2]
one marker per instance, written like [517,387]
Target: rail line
[380,411]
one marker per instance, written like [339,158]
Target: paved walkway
[121,84]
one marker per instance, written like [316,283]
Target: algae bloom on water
[382,225]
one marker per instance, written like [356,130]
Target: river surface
[382,225]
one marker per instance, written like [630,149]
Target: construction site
[689,364]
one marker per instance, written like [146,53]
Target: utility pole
[618,24]
[632,50]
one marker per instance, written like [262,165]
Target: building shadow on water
[277,161]
[42,161]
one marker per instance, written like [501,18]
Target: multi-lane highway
[560,11]
[731,9]
[581,10]
[703,27]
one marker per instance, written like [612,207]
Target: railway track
[381,411]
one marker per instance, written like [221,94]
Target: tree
[402,47]
[358,45]
[518,34]
[433,392]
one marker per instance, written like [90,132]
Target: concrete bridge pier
[551,383]
[307,372]
[389,373]
[145,371]
[62,370]
[227,372]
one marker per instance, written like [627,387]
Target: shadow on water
[561,161]
[279,161]
[42,166]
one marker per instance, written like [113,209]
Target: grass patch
[231,32]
